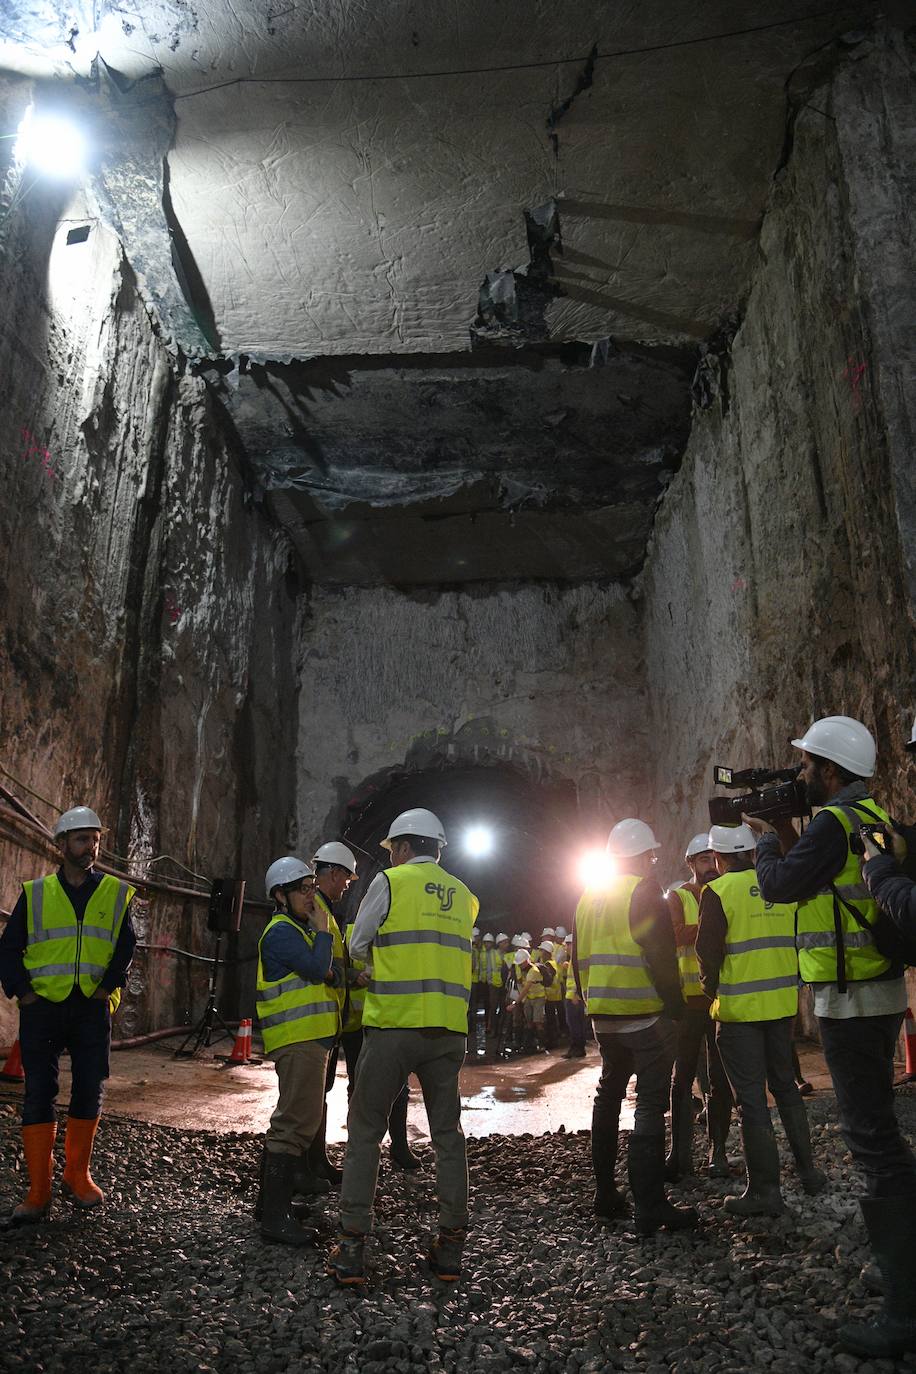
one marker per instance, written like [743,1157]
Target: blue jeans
[576,1024]
[79,1024]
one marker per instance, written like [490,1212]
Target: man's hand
[871,849]
[319,918]
[28,998]
[759,826]
[362,980]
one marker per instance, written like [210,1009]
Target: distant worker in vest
[493,968]
[749,970]
[416,919]
[573,1005]
[298,1009]
[696,1031]
[626,970]
[334,865]
[480,991]
[553,992]
[859,1000]
[64,955]
[531,1005]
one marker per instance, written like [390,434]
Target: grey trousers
[757,1055]
[301,1070]
[650,1055]
[386,1060]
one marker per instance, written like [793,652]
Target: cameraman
[859,1001]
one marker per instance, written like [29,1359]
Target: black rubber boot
[277,1187]
[316,1157]
[679,1163]
[399,1150]
[718,1122]
[610,1203]
[891,1226]
[761,1197]
[646,1169]
[795,1124]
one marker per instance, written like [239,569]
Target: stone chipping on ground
[173,1276]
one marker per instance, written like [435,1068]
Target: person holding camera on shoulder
[859,1000]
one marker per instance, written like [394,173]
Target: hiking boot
[346,1262]
[445,1253]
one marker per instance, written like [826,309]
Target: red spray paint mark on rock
[172,609]
[853,372]
[36,452]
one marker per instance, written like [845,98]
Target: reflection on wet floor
[534,1093]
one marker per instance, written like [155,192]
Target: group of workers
[714,965]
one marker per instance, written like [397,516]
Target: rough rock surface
[174,1276]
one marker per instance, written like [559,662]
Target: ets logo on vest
[446,895]
[755,892]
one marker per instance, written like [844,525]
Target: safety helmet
[911,742]
[417,821]
[560,932]
[516,941]
[501,936]
[284,871]
[631,837]
[731,839]
[526,936]
[698,845]
[842,740]
[336,853]
[546,946]
[475,932]
[77,818]
[487,937]
[567,939]
[523,956]
[548,930]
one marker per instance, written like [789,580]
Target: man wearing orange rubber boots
[65,951]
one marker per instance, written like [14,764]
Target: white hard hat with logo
[731,839]
[77,818]
[698,845]
[842,740]
[419,822]
[630,838]
[336,853]
[284,871]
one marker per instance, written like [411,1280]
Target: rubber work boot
[891,1225]
[646,1169]
[610,1203]
[38,1146]
[346,1262]
[78,1143]
[316,1157]
[445,1253]
[795,1124]
[761,1197]
[718,1122]
[400,1152]
[679,1163]
[277,1187]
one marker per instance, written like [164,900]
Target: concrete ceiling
[335,180]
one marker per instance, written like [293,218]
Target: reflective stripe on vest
[290,1009]
[613,973]
[421,956]
[758,980]
[816,930]
[57,941]
[687,963]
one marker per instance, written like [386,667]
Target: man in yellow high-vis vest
[416,919]
[859,999]
[64,954]
[299,1011]
[749,968]
[626,969]
[696,1031]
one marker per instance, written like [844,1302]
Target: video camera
[775,794]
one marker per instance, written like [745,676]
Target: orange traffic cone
[241,1050]
[909,1031]
[12,1069]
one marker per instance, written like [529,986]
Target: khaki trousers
[386,1060]
[301,1070]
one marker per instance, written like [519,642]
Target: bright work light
[51,145]
[478,841]
[596,868]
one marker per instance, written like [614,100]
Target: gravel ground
[174,1277]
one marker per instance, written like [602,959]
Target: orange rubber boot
[78,1145]
[38,1146]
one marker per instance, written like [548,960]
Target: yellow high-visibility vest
[61,952]
[758,980]
[291,1009]
[534,985]
[612,970]
[555,992]
[816,930]
[687,963]
[338,957]
[494,967]
[421,955]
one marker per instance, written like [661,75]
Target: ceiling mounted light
[51,145]
[478,841]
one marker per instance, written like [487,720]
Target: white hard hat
[548,930]
[516,941]
[285,870]
[501,936]
[547,946]
[415,822]
[475,932]
[631,837]
[567,939]
[698,845]
[523,956]
[560,932]
[336,853]
[526,936]
[842,740]
[77,818]
[731,839]
[487,937]
[911,742]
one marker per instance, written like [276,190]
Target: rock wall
[145,660]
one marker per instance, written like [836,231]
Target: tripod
[203,1033]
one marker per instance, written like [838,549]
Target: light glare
[51,145]
[478,841]
[596,868]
